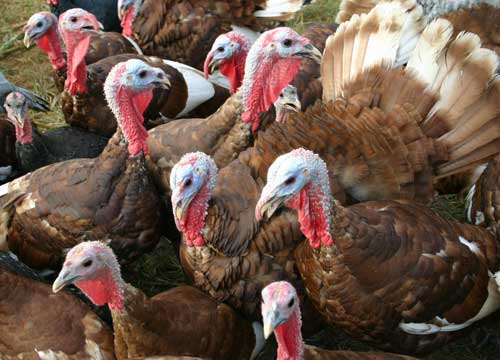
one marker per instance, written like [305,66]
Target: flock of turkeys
[294,171]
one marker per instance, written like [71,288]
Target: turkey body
[396,264]
[58,145]
[104,10]
[68,202]
[34,318]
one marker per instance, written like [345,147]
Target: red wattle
[77,71]
[127,21]
[103,290]
[312,218]
[50,44]
[193,221]
[24,135]
[289,338]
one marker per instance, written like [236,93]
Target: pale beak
[210,65]
[28,38]
[180,208]
[162,83]
[270,322]
[310,52]
[267,209]
[293,105]
[65,278]
[18,117]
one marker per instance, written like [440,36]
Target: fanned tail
[386,37]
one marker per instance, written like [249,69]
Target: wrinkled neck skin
[24,135]
[77,45]
[51,44]
[234,70]
[263,82]
[314,206]
[289,338]
[281,115]
[107,288]
[127,21]
[128,108]
[193,220]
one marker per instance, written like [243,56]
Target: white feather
[134,44]
[199,88]
[491,304]
[429,48]
[280,8]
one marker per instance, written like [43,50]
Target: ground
[160,270]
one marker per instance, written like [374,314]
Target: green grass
[160,269]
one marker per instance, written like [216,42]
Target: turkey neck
[51,44]
[234,70]
[76,79]
[289,338]
[24,135]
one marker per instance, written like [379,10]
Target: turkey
[83,103]
[183,30]
[35,101]
[229,52]
[41,29]
[35,150]
[277,54]
[105,10]
[483,199]
[36,322]
[393,272]
[281,315]
[110,196]
[182,321]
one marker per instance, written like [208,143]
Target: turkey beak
[270,322]
[28,37]
[211,65]
[18,117]
[308,51]
[181,207]
[122,8]
[293,105]
[265,210]
[65,278]
[162,81]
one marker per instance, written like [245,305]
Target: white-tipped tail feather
[429,48]
[280,10]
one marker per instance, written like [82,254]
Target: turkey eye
[281,95]
[287,42]
[87,263]
[290,181]
[290,303]
[72,19]
[188,182]
[220,49]
[143,74]
[39,24]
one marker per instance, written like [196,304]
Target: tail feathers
[384,37]
[280,10]
[459,49]
[348,8]
[434,39]
[464,86]
[36,102]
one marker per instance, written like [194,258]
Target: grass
[160,269]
